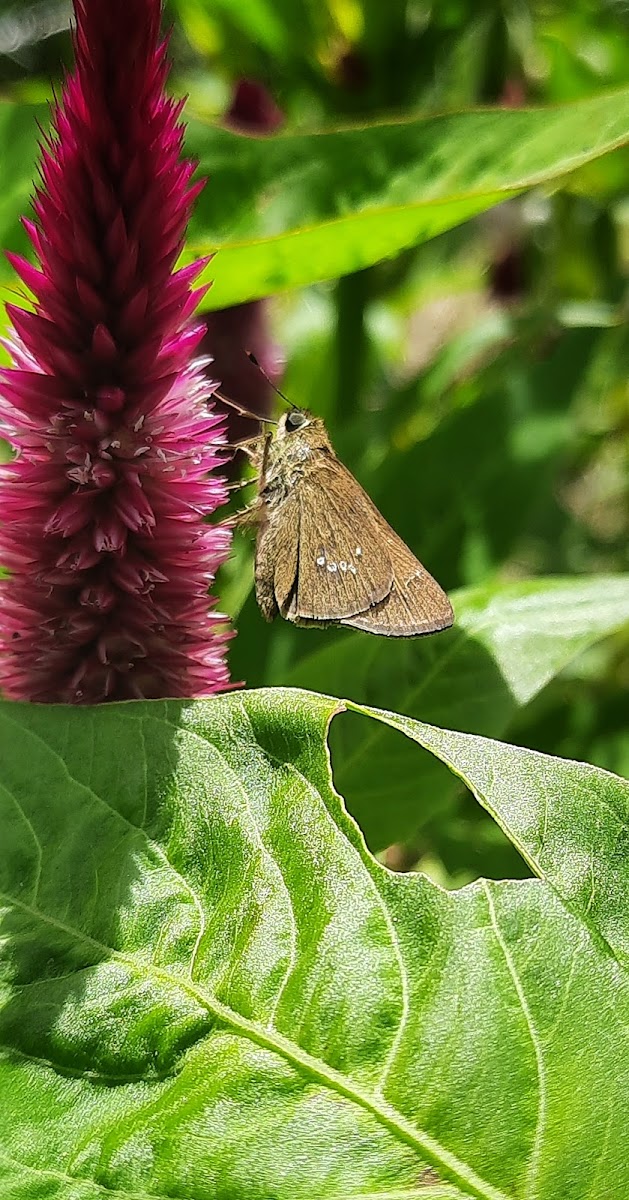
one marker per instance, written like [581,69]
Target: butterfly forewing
[342,569]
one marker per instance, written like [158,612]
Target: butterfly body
[325,555]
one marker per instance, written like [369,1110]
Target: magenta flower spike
[109,411]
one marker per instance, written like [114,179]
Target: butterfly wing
[361,563]
[414,606]
[342,570]
[277,552]
[329,557]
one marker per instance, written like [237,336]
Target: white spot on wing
[342,566]
[352,568]
[358,552]
[332,567]
[321,560]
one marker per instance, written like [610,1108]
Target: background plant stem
[352,295]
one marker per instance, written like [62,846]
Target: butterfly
[324,554]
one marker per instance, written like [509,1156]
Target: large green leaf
[288,210]
[507,644]
[212,991]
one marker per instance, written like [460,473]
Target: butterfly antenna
[244,412]
[252,359]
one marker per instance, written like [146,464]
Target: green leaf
[567,819]
[212,991]
[289,210]
[257,20]
[507,644]
[19,134]
[484,488]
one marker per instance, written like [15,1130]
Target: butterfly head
[297,418]
[298,428]
[296,444]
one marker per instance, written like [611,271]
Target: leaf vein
[386,1115]
[537,1144]
[38,846]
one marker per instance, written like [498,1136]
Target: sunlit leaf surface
[288,210]
[211,990]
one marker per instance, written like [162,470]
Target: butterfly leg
[240,483]
[250,515]
[244,412]
[252,447]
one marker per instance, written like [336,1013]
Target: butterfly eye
[296,419]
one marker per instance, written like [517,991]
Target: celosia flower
[102,509]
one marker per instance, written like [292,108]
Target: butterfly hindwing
[277,552]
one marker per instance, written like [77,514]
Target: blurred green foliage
[476,384]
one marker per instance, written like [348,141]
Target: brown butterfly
[324,554]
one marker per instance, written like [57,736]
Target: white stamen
[343,566]
[358,552]
[321,560]
[352,568]
[332,567]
